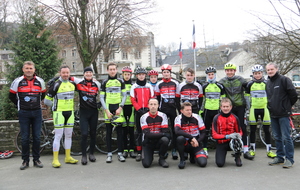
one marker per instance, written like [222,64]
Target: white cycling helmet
[257,68]
[236,145]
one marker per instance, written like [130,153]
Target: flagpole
[194,47]
[180,56]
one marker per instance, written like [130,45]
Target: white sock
[246,149]
[268,147]
[253,146]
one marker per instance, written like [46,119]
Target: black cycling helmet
[210,69]
[140,70]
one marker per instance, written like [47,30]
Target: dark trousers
[197,152]
[239,111]
[150,146]
[30,119]
[88,123]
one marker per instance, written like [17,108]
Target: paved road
[255,174]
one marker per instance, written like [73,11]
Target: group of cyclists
[191,109]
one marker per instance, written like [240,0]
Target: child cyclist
[128,112]
[140,93]
[258,107]
[153,75]
[213,91]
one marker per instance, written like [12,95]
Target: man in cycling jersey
[226,126]
[190,131]
[140,93]
[88,89]
[156,135]
[61,97]
[213,91]
[190,91]
[165,91]
[234,90]
[128,111]
[282,96]
[113,97]
[27,92]
[256,88]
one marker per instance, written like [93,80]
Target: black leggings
[208,116]
[171,113]
[221,152]
[239,111]
[184,146]
[260,112]
[127,112]
[150,146]
[88,123]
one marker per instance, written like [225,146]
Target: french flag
[194,40]
[180,51]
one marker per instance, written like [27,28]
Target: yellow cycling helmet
[230,66]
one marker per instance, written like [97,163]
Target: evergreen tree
[33,43]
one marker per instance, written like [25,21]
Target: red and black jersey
[88,91]
[153,126]
[190,92]
[190,127]
[140,95]
[27,94]
[225,124]
[165,91]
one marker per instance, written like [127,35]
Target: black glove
[99,105]
[141,111]
[145,110]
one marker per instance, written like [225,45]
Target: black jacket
[281,94]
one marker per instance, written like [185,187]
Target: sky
[216,21]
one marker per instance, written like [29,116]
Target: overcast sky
[218,21]
[222,21]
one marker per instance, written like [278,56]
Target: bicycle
[47,138]
[295,132]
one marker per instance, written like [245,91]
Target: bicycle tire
[101,139]
[262,137]
[76,140]
[18,141]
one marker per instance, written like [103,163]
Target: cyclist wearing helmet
[165,91]
[234,90]
[213,92]
[128,111]
[190,131]
[156,135]
[256,88]
[190,91]
[226,127]
[140,93]
[113,97]
[153,77]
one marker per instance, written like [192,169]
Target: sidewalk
[256,174]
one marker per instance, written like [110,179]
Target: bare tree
[280,42]
[96,24]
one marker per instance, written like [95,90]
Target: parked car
[296,84]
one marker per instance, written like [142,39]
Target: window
[74,53]
[63,53]
[74,66]
[112,56]
[138,55]
[124,55]
[4,56]
[296,78]
[138,65]
[241,69]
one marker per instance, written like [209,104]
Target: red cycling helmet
[126,69]
[166,67]
[153,72]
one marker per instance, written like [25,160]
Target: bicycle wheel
[101,139]
[76,141]
[262,137]
[18,141]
